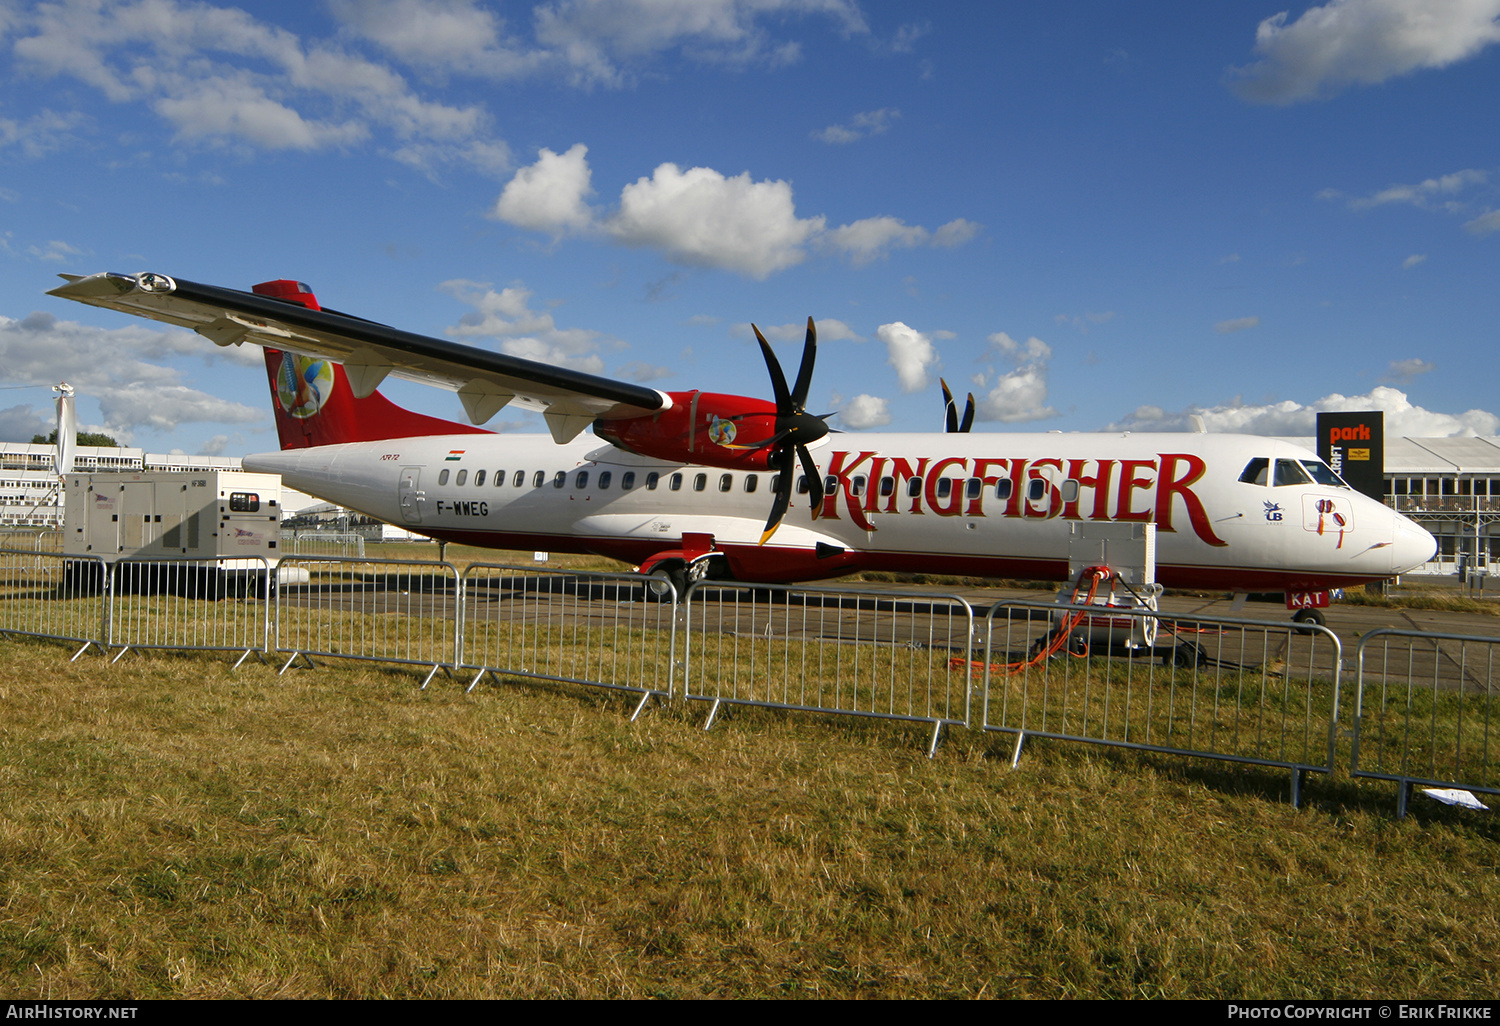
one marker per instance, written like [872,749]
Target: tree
[84,438]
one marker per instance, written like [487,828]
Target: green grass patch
[169,828]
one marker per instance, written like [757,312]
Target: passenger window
[676,483]
[538,479]
[442,477]
[802,486]
[478,478]
[627,480]
[583,479]
[700,482]
[859,485]
[651,480]
[1070,491]
[830,485]
[750,482]
[975,487]
[520,479]
[887,485]
[775,484]
[914,488]
[944,487]
[559,478]
[726,482]
[1290,472]
[1002,488]
[499,478]
[1255,471]
[604,480]
[1035,489]
[463,476]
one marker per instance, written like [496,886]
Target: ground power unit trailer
[200,532]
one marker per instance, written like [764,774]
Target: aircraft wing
[485,381]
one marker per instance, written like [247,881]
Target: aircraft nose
[1413,546]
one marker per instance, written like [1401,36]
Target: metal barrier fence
[1241,690]
[1426,711]
[46,595]
[1264,693]
[219,605]
[379,610]
[325,543]
[855,652]
[600,629]
[21,539]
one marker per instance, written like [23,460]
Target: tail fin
[315,405]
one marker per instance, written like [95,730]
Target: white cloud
[441,36]
[22,423]
[700,218]
[1404,371]
[219,75]
[833,330]
[867,123]
[506,317]
[1238,324]
[1428,194]
[56,250]
[598,41]
[1413,261]
[910,352]
[222,107]
[1083,321]
[1019,395]
[1294,419]
[641,372]
[39,134]
[549,196]
[112,366]
[1484,223]
[1361,42]
[873,237]
[864,412]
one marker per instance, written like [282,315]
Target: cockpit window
[1323,474]
[1290,472]
[1255,471]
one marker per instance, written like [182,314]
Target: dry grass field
[169,828]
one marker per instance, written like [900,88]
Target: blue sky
[1092,215]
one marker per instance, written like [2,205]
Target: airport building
[29,492]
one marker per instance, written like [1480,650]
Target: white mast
[67,429]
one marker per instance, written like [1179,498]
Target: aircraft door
[412,497]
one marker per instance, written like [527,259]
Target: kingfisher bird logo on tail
[314,404]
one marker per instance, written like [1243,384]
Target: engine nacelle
[701,427]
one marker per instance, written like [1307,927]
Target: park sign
[1353,444]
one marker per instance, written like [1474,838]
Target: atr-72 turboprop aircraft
[698,482]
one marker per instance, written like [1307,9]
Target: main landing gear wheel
[1308,618]
[662,580]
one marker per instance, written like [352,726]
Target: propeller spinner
[795,429]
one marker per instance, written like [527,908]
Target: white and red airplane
[699,483]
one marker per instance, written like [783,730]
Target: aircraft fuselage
[975,504]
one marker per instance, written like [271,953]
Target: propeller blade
[778,379]
[805,372]
[783,494]
[968,421]
[814,480]
[950,410]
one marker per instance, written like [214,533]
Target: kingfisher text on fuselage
[1145,490]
